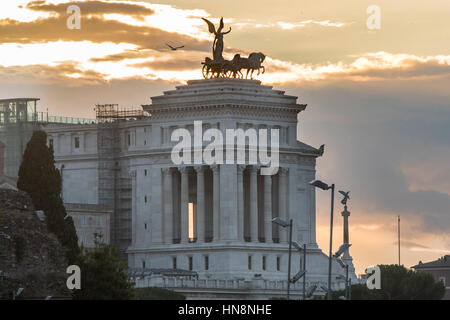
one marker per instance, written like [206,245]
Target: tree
[103,275]
[399,283]
[39,177]
[37,173]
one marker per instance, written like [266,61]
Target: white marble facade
[232,236]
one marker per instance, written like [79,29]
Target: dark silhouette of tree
[399,283]
[103,275]
[39,177]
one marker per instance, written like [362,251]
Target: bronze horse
[224,68]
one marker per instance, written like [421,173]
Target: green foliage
[399,283]
[37,173]
[39,177]
[157,294]
[20,246]
[103,275]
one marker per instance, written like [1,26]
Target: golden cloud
[94,8]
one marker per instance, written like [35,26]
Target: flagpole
[398,240]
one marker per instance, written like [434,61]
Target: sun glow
[51,53]
[191,220]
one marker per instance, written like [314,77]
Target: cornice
[254,112]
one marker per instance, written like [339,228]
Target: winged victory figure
[218,40]
[346,197]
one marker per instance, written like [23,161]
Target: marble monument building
[214,220]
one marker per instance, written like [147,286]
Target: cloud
[68,73]
[373,130]
[87,8]
[416,247]
[97,30]
[431,175]
[367,227]
[148,31]
[410,245]
[370,66]
[433,250]
[291,25]
[171,64]
[302,24]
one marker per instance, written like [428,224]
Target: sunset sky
[378,99]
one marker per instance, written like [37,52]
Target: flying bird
[346,196]
[174,48]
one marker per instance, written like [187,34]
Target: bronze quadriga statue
[218,67]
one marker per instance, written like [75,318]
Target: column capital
[215,168]
[132,173]
[254,169]
[241,168]
[199,169]
[184,170]
[166,170]
[283,171]
[345,213]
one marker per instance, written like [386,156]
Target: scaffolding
[114,181]
[112,112]
[19,118]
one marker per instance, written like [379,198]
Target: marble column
[240,187]
[268,208]
[254,204]
[83,142]
[282,201]
[200,204]
[155,198]
[184,204]
[168,206]
[346,214]
[134,221]
[312,213]
[216,202]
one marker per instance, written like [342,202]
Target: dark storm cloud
[373,129]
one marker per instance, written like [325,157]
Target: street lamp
[342,249]
[302,249]
[325,289]
[297,277]
[285,224]
[322,185]
[310,290]
[16,294]
[341,263]
[338,253]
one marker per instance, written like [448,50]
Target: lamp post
[302,265]
[304,268]
[324,186]
[348,282]
[342,249]
[310,290]
[350,289]
[16,294]
[284,224]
